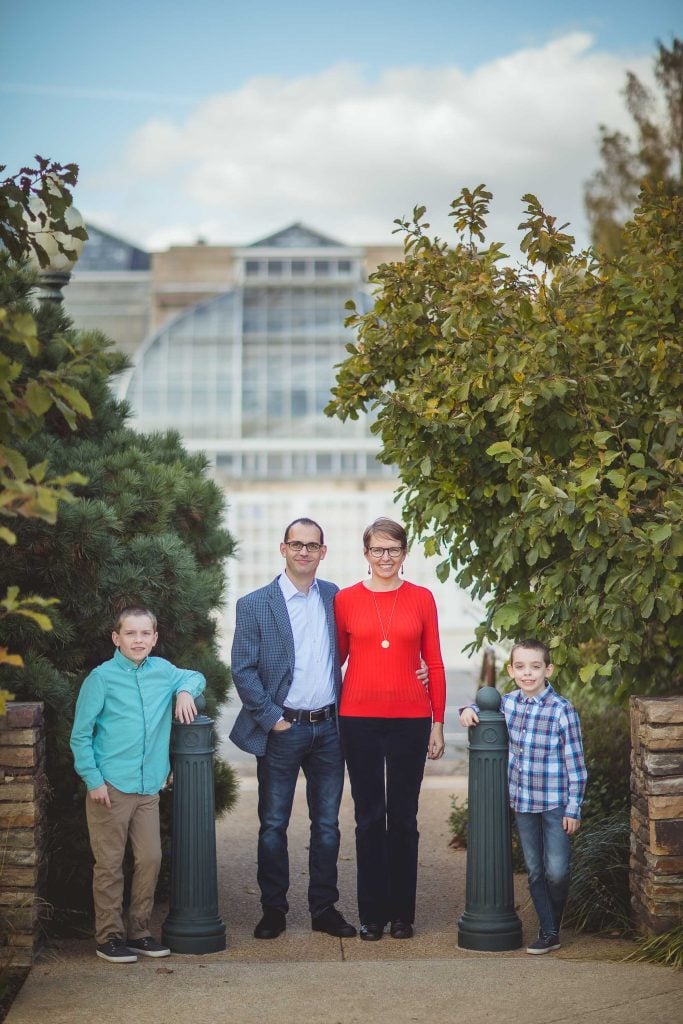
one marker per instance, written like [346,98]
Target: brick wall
[23,789]
[657,812]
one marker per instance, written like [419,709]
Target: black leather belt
[321,715]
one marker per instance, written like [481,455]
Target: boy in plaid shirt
[547,781]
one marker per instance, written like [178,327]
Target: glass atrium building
[241,362]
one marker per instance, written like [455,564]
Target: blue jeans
[316,749]
[547,854]
[386,760]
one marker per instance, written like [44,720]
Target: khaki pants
[133,816]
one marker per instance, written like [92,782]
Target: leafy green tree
[146,527]
[27,201]
[654,155]
[534,415]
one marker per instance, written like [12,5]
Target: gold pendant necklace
[385,632]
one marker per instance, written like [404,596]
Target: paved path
[307,978]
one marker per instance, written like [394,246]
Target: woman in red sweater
[389,724]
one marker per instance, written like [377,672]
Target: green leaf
[587,672]
[75,399]
[498,447]
[507,616]
[443,571]
[38,398]
[16,462]
[658,534]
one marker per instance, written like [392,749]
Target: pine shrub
[147,528]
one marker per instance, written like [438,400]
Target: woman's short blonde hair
[388,526]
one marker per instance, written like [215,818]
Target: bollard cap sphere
[488,698]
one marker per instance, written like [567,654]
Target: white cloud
[348,155]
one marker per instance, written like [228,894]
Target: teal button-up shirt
[122,727]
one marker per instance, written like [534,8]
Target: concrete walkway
[307,978]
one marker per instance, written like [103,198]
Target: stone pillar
[22,833]
[657,812]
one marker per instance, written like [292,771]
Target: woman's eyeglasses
[392,552]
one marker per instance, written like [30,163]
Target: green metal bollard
[490,922]
[193,924]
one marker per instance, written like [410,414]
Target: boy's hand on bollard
[185,707]
[469,717]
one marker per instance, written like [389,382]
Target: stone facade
[23,789]
[657,812]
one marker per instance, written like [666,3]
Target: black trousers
[386,758]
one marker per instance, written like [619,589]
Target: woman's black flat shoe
[371,932]
[401,930]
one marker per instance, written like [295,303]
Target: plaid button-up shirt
[546,768]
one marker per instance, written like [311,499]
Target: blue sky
[229,120]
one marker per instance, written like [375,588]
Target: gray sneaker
[116,951]
[148,947]
[544,944]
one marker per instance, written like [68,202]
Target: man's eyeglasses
[392,552]
[297,545]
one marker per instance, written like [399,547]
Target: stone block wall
[23,790]
[657,812]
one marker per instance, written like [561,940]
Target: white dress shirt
[313,680]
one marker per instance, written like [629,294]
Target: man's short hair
[532,645]
[134,609]
[305,521]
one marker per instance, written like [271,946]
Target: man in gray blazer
[286,670]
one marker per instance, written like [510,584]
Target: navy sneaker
[148,947]
[544,944]
[116,951]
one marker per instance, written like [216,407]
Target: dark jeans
[316,749]
[386,759]
[547,854]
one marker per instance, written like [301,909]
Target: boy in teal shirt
[120,742]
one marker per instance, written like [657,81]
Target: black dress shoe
[401,930]
[272,924]
[371,932]
[332,922]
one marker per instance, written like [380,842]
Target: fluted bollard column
[490,922]
[193,924]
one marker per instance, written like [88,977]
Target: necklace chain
[385,632]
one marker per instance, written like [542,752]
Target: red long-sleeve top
[381,683]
